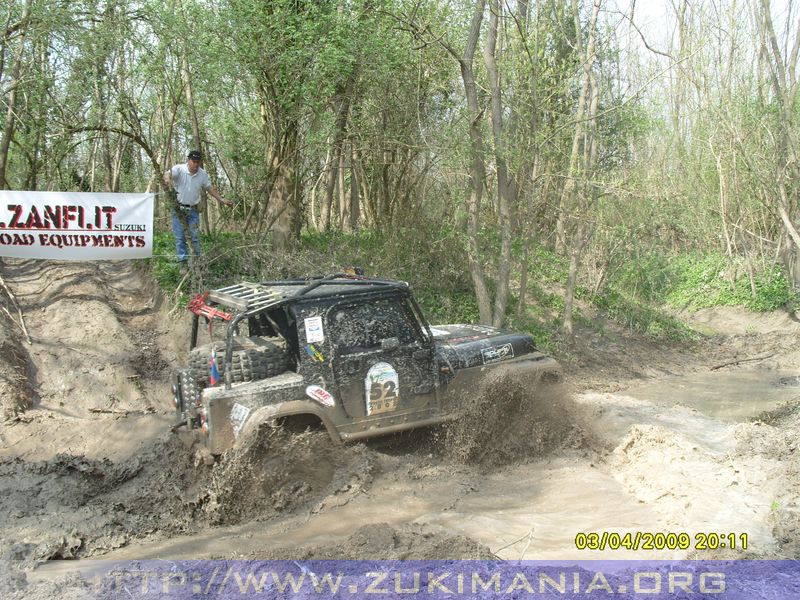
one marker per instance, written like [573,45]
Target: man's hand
[214,193]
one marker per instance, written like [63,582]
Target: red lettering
[16,216]
[52,216]
[34,219]
[67,215]
[109,211]
[25,239]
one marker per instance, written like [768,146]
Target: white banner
[76,226]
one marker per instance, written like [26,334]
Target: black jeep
[355,354]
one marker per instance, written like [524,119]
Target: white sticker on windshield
[314,331]
[239,414]
[438,332]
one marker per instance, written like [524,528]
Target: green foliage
[429,258]
[545,266]
[539,317]
[714,280]
[441,286]
[641,316]
[638,307]
[639,287]
[633,297]
[649,277]
[165,269]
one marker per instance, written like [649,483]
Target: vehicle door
[383,363]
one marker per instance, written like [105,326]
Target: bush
[430,259]
[715,280]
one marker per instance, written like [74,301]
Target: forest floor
[653,437]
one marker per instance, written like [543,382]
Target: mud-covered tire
[253,358]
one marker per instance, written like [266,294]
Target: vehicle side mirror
[423,354]
[391,343]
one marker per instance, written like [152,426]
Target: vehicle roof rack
[246,296]
[251,298]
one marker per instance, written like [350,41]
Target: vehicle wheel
[253,358]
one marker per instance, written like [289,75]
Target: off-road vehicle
[351,353]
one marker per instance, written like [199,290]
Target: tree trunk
[10,120]
[39,140]
[783,72]
[4,40]
[579,240]
[506,201]
[122,142]
[477,171]
[585,135]
[284,197]
[260,205]
[345,94]
[197,138]
[523,277]
[355,204]
[723,210]
[332,159]
[570,183]
[344,220]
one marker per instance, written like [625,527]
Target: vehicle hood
[465,346]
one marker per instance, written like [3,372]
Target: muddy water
[730,397]
[664,459]
[535,512]
[672,465]
[525,512]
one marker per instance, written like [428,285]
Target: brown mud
[90,469]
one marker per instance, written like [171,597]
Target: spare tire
[253,358]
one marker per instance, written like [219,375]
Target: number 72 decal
[383,388]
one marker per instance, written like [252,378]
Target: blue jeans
[192,220]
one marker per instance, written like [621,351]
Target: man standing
[188,180]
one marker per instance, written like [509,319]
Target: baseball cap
[195,155]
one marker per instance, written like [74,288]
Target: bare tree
[10,119]
[784,76]
[506,197]
[579,193]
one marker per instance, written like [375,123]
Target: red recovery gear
[198,306]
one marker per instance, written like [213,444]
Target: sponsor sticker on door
[497,353]
[383,388]
[314,332]
[321,395]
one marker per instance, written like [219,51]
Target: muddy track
[93,448]
[79,464]
[89,467]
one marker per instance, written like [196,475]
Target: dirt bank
[90,468]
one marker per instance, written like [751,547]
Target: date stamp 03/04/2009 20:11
[643,540]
